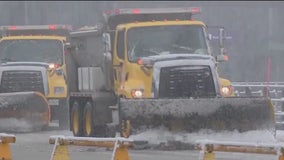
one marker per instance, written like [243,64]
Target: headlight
[137,93]
[58,90]
[226,90]
[53,66]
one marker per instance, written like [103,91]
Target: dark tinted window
[120,44]
[31,50]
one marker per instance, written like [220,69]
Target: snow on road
[35,145]
[19,125]
[156,136]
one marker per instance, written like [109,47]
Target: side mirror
[222,58]
[221,40]
[67,47]
[210,36]
[107,42]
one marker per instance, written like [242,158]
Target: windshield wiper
[151,51]
[184,48]
[155,52]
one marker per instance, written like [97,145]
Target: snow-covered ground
[157,136]
[15,125]
[280,135]
[35,146]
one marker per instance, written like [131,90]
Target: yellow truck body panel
[133,71]
[54,80]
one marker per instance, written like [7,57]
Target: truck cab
[32,59]
[142,37]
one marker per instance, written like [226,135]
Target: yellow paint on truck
[54,80]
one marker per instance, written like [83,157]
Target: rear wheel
[76,120]
[88,120]
[91,129]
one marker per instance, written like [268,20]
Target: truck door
[118,61]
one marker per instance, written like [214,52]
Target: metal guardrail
[60,150]
[209,148]
[275,93]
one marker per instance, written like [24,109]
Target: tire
[64,115]
[88,125]
[76,120]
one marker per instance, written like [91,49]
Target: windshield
[157,40]
[31,50]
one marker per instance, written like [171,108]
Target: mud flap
[192,115]
[23,111]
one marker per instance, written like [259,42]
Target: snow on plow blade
[23,111]
[192,115]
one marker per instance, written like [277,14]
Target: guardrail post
[60,151]
[248,92]
[5,151]
[266,92]
[282,103]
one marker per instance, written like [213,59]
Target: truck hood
[151,60]
[42,64]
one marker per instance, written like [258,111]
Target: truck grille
[21,81]
[186,81]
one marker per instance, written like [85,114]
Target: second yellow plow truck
[33,87]
[155,68]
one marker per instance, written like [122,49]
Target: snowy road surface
[34,146]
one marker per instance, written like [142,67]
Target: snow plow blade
[23,111]
[192,115]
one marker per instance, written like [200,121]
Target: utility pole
[26,13]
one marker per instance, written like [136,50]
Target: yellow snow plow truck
[33,87]
[155,68]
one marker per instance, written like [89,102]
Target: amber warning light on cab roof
[36,30]
[193,10]
[37,27]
